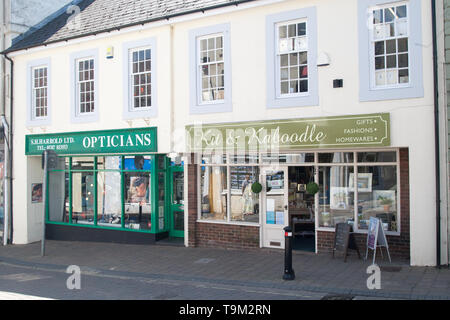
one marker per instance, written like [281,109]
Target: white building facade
[336,66]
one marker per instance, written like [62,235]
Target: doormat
[337,297]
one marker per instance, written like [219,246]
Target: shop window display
[137,204]
[244,203]
[105,191]
[336,199]
[214,193]
[377,196]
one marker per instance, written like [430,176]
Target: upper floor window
[140,74]
[84,83]
[210,79]
[390,49]
[292,57]
[141,78]
[292,79]
[85,86]
[211,68]
[40,92]
[389,45]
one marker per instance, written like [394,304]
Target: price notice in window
[371,130]
[94,142]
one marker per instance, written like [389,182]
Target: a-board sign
[344,240]
[376,238]
[342,236]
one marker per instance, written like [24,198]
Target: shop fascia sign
[370,130]
[94,142]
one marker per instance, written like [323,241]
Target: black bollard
[289,273]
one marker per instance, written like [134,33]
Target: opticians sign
[370,130]
[94,142]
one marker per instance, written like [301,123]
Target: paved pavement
[207,274]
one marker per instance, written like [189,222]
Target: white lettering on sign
[143,139]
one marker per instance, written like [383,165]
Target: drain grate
[338,297]
[390,268]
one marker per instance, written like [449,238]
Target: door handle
[285,207]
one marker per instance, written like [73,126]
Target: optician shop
[249,180]
[109,186]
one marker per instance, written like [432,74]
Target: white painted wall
[411,119]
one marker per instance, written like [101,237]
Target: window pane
[244,203]
[379,48]
[83,163]
[336,199]
[109,198]
[401,11]
[388,156]
[377,196]
[241,159]
[282,32]
[288,158]
[402,45]
[214,159]
[336,157]
[58,199]
[213,193]
[137,200]
[275,197]
[83,197]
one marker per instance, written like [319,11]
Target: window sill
[388,233]
[237,223]
[218,107]
[139,114]
[39,122]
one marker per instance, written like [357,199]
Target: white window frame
[368,90]
[75,114]
[372,40]
[32,120]
[279,95]
[199,70]
[301,99]
[79,82]
[129,112]
[197,105]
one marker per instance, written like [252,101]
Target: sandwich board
[376,238]
[344,240]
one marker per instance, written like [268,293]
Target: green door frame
[172,206]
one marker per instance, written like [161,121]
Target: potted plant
[385,202]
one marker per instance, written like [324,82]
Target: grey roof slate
[98,16]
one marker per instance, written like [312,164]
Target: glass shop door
[275,207]
[176,191]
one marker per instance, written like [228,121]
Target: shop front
[109,186]
[255,178]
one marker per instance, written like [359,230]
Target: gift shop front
[109,186]
[252,179]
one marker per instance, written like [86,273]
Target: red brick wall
[399,246]
[212,234]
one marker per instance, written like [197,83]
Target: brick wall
[203,234]
[399,246]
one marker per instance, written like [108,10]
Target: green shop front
[111,186]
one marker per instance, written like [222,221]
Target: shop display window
[107,191]
[214,193]
[137,201]
[244,202]
[336,199]
[377,196]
